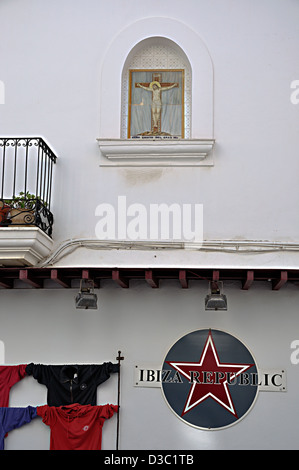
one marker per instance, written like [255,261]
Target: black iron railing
[26,173]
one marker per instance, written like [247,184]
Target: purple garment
[12,418]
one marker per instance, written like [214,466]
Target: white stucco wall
[144,323]
[57,57]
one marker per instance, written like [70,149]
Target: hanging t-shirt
[9,375]
[76,427]
[12,418]
[69,384]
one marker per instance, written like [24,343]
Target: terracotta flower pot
[4,211]
[21,217]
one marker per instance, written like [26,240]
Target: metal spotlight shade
[86,300]
[216,302]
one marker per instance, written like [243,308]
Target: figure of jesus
[156,89]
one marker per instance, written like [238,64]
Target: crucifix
[156,86]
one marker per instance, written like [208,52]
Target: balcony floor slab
[23,246]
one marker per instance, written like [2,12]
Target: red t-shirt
[76,427]
[9,375]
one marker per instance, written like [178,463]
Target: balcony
[26,220]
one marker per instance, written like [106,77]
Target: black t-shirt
[71,383]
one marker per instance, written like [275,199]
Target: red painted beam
[183,279]
[151,280]
[249,280]
[6,284]
[86,275]
[277,284]
[25,276]
[56,277]
[65,276]
[119,280]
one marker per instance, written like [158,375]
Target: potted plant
[4,211]
[23,209]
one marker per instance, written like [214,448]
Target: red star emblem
[209,378]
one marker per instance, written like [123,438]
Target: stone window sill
[156,152]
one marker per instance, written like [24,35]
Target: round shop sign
[209,379]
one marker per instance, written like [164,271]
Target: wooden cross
[156,77]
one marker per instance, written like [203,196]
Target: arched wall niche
[157,53]
[175,41]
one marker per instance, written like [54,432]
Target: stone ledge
[23,246]
[156,152]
